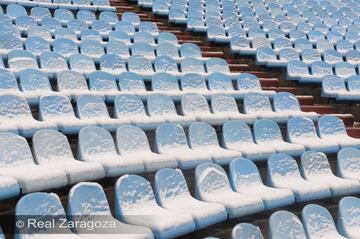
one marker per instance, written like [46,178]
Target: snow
[9,187]
[349,217]
[286,225]
[283,172]
[52,151]
[246,231]
[212,185]
[348,163]
[135,204]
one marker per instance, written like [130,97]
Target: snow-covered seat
[20,59]
[52,62]
[50,24]
[236,135]
[342,46]
[125,27]
[77,26]
[258,105]
[281,43]
[267,132]
[118,47]
[63,15]
[143,49]
[65,47]
[288,103]
[82,63]
[109,17]
[194,83]
[212,185]
[203,137]
[65,33]
[90,35]
[332,57]
[192,65]
[132,83]
[149,27]
[218,65]
[93,109]
[134,196]
[195,105]
[189,50]
[348,161]
[285,225]
[17,162]
[71,83]
[166,64]
[167,49]
[112,63]
[131,108]
[315,167]
[140,65]
[318,70]
[166,83]
[52,151]
[104,84]
[15,10]
[39,13]
[57,109]
[170,139]
[334,86]
[131,17]
[296,69]
[42,205]
[283,172]
[245,178]
[249,83]
[333,128]
[308,56]
[8,83]
[319,223]
[324,45]
[37,45]
[301,130]
[302,44]
[344,69]
[9,188]
[97,205]
[266,56]
[8,43]
[97,145]
[24,22]
[103,27]
[92,48]
[221,83]
[161,105]
[246,230]
[119,37]
[103,5]
[349,208]
[172,193]
[132,142]
[143,37]
[225,105]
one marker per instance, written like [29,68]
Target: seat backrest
[86,16]
[131,139]
[301,127]
[65,47]
[118,37]
[266,130]
[20,59]
[329,125]
[285,102]
[314,164]
[109,17]
[91,106]
[297,68]
[281,42]
[51,146]
[130,81]
[128,105]
[353,83]
[10,42]
[310,55]
[167,37]
[285,225]
[138,63]
[170,136]
[14,107]
[170,184]
[65,33]
[192,65]
[246,230]
[80,62]
[160,104]
[255,102]
[349,209]
[194,103]
[125,27]
[302,44]
[192,81]
[63,15]
[149,27]
[248,81]
[220,81]
[190,50]
[331,84]
[243,174]
[14,151]
[132,191]
[37,45]
[163,82]
[102,81]
[143,37]
[8,81]
[40,204]
[353,57]
[236,132]
[55,106]
[15,10]
[86,199]
[91,48]
[318,222]
[101,26]
[221,103]
[282,167]
[53,60]
[344,69]
[71,80]
[332,56]
[202,135]
[217,65]
[321,68]
[130,17]
[167,49]
[118,48]
[33,80]
[210,179]
[142,49]
[112,63]
[265,54]
[165,64]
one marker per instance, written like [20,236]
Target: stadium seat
[315,167]
[166,64]
[65,47]
[283,172]
[81,63]
[140,65]
[132,83]
[36,45]
[212,185]
[220,83]
[71,83]
[348,163]
[52,62]
[132,142]
[246,230]
[172,193]
[52,150]
[8,43]
[285,225]
[333,128]
[245,178]
[311,214]
[20,59]
[334,86]
[347,212]
[17,162]
[267,132]
[112,64]
[166,83]
[103,84]
[301,130]
[194,83]
[134,195]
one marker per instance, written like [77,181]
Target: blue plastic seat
[342,46]
[348,210]
[109,17]
[332,57]
[24,22]
[112,64]
[142,199]
[266,56]
[167,49]
[97,145]
[91,48]
[52,62]
[149,27]
[65,47]
[82,64]
[296,69]
[71,83]
[63,15]
[334,86]
[125,27]
[283,172]
[66,33]
[85,16]
[50,24]
[77,26]
[167,37]
[98,206]
[52,151]
[285,225]
[192,65]
[15,10]
[246,230]
[212,185]
[8,83]
[170,139]
[249,83]
[302,44]
[39,13]
[143,37]
[118,48]
[245,178]
[143,49]
[9,43]
[301,130]
[348,163]
[166,64]
[140,65]
[222,83]
[194,83]
[353,57]
[344,69]
[20,59]
[131,108]
[315,167]
[166,83]
[318,70]
[20,165]
[7,28]
[131,17]
[37,45]
[311,214]
[308,56]
[189,50]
